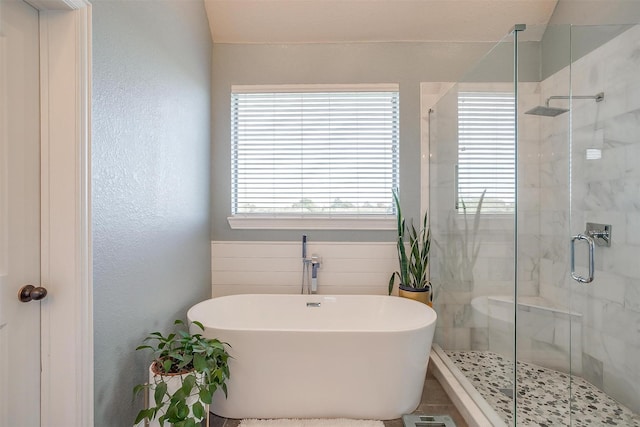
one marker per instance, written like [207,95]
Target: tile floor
[543,394]
[434,402]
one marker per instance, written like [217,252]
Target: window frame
[333,221]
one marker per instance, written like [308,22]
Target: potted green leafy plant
[187,369]
[413,258]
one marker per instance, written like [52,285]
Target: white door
[19,214]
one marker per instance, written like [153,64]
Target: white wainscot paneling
[276,267]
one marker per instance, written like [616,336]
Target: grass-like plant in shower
[187,369]
[413,255]
[459,252]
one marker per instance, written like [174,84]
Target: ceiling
[332,21]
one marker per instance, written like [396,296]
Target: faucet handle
[600,233]
[315,266]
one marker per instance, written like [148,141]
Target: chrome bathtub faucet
[310,267]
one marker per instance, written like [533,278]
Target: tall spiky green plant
[460,249]
[414,259]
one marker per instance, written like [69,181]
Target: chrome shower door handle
[591,243]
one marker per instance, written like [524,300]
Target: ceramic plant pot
[174,382]
[423,295]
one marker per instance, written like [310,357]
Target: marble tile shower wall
[604,190]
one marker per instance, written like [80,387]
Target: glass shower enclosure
[534,199]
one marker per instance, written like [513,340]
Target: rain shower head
[547,111]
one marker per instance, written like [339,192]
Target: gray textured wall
[405,63]
[151,184]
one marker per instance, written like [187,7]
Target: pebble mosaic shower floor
[543,394]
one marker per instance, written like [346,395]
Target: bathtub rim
[429,322]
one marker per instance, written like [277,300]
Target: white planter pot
[174,382]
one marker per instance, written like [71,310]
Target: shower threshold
[543,394]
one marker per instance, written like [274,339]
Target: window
[486,151]
[314,152]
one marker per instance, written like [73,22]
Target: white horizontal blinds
[486,151]
[314,153]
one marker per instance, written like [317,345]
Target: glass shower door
[605,213]
[545,325]
[472,210]
[578,280]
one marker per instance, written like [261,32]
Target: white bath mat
[336,422]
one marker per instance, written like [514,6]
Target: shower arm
[598,97]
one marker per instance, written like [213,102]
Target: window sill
[312,223]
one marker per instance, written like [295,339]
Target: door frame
[66,256]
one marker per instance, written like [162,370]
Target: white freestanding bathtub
[317,356]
